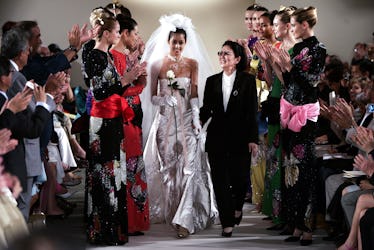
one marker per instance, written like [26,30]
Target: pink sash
[295,117]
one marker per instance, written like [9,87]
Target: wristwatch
[71,47]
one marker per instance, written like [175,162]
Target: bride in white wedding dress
[178,175]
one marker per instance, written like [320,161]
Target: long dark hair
[238,51]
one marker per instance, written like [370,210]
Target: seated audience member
[26,124]
[360,236]
[12,223]
[360,52]
[15,46]
[342,115]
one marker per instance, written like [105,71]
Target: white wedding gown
[178,174]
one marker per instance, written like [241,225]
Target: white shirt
[227,84]
[4,94]
[43,104]
[14,65]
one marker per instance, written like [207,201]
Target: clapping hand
[6,143]
[263,51]
[364,139]
[55,83]
[343,114]
[365,164]
[74,36]
[12,182]
[88,34]
[39,93]
[19,102]
[282,58]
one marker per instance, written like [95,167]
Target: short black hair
[238,51]
[334,70]
[366,65]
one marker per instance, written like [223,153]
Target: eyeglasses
[223,53]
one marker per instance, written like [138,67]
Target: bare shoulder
[191,62]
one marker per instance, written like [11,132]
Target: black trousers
[230,176]
[367,229]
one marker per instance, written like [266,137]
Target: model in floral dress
[274,190]
[299,109]
[106,176]
[127,64]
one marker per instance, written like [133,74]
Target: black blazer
[25,124]
[230,131]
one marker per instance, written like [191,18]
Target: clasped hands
[139,70]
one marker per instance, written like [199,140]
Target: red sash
[112,107]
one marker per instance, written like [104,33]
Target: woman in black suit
[230,99]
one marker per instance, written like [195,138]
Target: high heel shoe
[226,234]
[182,232]
[292,238]
[305,242]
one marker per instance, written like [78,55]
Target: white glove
[195,115]
[164,100]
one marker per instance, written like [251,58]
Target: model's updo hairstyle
[252,7]
[105,22]
[308,14]
[178,31]
[126,23]
[270,15]
[285,14]
[99,12]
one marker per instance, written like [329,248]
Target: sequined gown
[106,176]
[178,176]
[308,60]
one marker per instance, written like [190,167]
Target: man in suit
[230,99]
[39,68]
[15,47]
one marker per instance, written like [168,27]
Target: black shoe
[276,227]
[224,234]
[267,218]
[292,239]
[305,242]
[238,219]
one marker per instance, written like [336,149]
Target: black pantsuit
[228,136]
[230,176]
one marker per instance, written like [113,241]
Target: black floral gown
[308,60]
[106,176]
